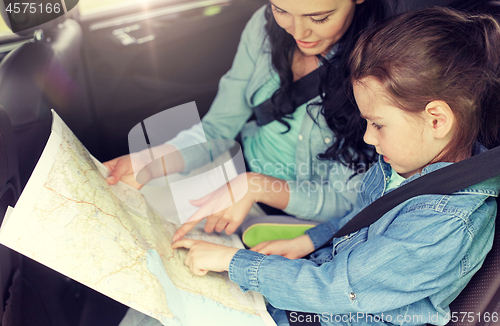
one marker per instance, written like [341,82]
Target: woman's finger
[221,225]
[212,221]
[184,229]
[201,201]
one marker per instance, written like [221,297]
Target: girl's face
[316,25]
[404,139]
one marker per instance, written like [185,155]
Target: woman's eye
[278,11]
[378,127]
[320,21]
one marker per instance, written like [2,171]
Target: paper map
[109,238]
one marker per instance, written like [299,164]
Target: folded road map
[111,240]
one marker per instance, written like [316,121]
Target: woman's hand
[224,214]
[291,249]
[205,256]
[120,169]
[219,209]
[167,160]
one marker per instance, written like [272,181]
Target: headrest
[25,23]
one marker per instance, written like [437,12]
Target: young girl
[284,41]
[428,85]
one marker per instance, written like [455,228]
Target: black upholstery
[38,76]
[43,74]
[10,262]
[481,297]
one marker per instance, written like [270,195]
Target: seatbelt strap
[444,181]
[303,90]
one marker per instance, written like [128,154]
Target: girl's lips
[307,44]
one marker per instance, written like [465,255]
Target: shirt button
[327,140]
[301,137]
[352,296]
[346,236]
[387,179]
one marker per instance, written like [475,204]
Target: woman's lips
[307,45]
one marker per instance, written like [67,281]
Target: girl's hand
[291,249]
[218,207]
[205,256]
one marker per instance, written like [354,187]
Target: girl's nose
[369,138]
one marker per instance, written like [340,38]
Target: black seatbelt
[303,90]
[444,181]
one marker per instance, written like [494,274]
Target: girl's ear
[440,118]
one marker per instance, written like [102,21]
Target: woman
[319,142]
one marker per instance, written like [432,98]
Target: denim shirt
[322,189]
[408,266]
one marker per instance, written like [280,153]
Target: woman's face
[316,25]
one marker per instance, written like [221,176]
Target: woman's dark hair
[339,111]
[439,54]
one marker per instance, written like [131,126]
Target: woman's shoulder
[255,29]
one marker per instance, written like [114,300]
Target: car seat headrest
[25,23]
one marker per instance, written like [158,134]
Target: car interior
[103,73]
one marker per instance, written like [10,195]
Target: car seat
[42,74]
[10,262]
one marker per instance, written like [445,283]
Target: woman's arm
[230,109]
[227,211]
[226,117]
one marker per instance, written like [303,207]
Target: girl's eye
[320,21]
[378,127]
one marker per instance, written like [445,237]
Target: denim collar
[330,53]
[490,187]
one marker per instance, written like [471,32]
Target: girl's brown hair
[439,54]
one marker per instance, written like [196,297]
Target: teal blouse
[269,150]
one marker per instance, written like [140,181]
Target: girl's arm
[417,255]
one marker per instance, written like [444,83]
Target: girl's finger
[199,272]
[184,243]
[259,246]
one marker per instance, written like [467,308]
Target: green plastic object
[261,232]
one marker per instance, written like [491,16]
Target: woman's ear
[440,118]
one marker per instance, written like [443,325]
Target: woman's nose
[300,30]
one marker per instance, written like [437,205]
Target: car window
[88,7]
